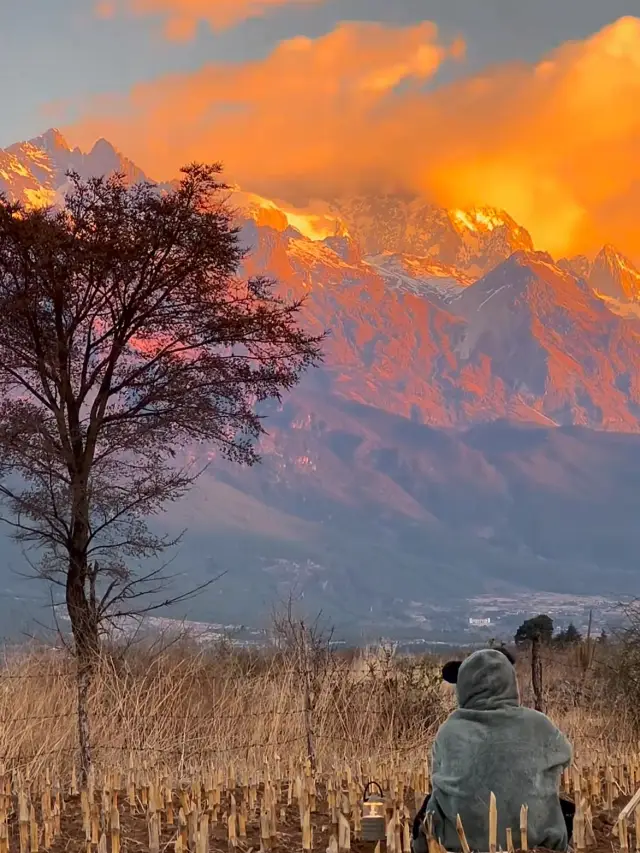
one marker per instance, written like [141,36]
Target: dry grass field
[211,750]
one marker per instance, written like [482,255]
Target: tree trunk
[536,675]
[84,625]
[84,678]
[305,662]
[308,724]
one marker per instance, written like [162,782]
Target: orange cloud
[105,10]
[556,143]
[300,113]
[182,16]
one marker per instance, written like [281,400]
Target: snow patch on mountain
[35,172]
[419,276]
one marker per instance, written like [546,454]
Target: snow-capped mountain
[445,324]
[473,241]
[35,171]
[615,280]
[612,277]
[448,317]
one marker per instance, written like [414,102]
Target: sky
[521,104]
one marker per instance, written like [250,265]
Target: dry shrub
[186,705]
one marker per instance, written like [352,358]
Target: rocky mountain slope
[528,341]
[476,423]
[410,513]
[473,241]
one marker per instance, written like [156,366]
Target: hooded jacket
[492,744]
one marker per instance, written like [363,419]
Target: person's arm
[561,749]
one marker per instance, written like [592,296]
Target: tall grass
[186,706]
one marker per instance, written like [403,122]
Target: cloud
[181,17]
[286,121]
[556,143]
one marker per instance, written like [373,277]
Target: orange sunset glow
[555,143]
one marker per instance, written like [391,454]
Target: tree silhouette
[126,334]
[537,628]
[569,637]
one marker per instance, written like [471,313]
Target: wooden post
[33,829]
[4,829]
[509,834]
[115,827]
[344,833]
[609,789]
[23,820]
[623,834]
[536,675]
[232,826]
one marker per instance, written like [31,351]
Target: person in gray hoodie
[492,744]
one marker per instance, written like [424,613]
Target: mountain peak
[528,281]
[524,257]
[578,266]
[102,145]
[51,140]
[474,240]
[480,218]
[610,254]
[35,171]
[613,276]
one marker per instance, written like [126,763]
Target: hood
[487,681]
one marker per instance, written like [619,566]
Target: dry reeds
[188,706]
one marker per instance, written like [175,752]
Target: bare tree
[126,334]
[309,647]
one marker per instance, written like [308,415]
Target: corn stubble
[199,751]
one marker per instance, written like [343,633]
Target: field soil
[134,833]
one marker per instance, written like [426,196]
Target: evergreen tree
[539,627]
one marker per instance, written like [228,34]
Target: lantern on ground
[373,819]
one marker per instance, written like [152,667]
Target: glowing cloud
[182,16]
[557,143]
[313,225]
[302,114]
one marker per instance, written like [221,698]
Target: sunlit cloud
[181,17]
[105,9]
[291,121]
[556,143]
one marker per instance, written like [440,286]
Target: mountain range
[475,426]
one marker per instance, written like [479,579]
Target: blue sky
[57,51]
